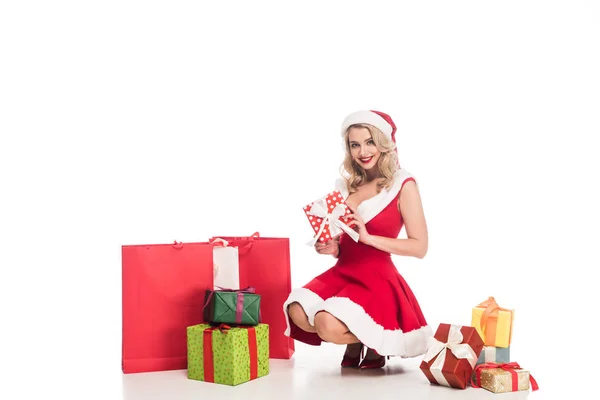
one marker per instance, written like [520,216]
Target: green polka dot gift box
[227,355]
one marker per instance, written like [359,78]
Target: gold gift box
[498,380]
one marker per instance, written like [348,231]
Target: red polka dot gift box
[327,218]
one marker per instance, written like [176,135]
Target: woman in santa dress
[362,301]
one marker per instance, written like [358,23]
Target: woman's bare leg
[332,330]
[298,316]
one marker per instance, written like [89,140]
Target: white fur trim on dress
[369,208]
[309,300]
[368,117]
[385,341]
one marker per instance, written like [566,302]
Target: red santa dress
[364,289]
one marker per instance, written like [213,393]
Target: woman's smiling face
[362,147]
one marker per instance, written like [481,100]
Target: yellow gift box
[493,323]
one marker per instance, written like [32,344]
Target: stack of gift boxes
[478,354]
[232,345]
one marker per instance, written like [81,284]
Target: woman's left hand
[359,225]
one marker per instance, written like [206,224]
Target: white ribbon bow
[437,348]
[319,209]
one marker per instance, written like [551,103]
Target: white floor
[314,373]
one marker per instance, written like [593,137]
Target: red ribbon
[510,367]
[239,308]
[209,364]
[253,348]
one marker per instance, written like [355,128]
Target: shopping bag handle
[234,241]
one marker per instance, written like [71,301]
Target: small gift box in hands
[327,217]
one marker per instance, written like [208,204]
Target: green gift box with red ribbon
[229,306]
[227,355]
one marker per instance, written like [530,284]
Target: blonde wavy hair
[355,175]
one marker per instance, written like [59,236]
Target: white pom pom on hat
[378,119]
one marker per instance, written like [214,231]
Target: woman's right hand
[331,247]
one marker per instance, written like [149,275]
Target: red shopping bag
[264,263]
[163,292]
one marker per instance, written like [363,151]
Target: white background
[128,122]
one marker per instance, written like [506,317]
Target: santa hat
[378,119]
